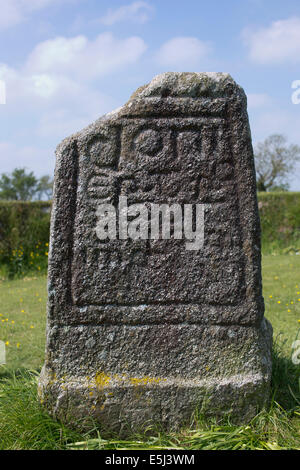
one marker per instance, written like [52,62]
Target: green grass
[281,288]
[25,425]
[23,321]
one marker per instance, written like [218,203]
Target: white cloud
[182,52]
[31,89]
[36,4]
[56,54]
[53,87]
[60,69]
[61,120]
[13,12]
[55,105]
[276,44]
[138,12]
[258,100]
[83,58]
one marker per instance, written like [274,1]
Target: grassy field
[281,289]
[24,425]
[23,321]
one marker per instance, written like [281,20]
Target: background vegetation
[21,185]
[24,237]
[280,221]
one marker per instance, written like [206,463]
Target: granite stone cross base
[146,328]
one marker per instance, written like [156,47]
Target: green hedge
[24,230]
[280,221]
[24,236]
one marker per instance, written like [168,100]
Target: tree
[45,187]
[274,161]
[23,186]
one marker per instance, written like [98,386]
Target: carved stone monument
[145,328]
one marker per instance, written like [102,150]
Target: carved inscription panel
[162,161]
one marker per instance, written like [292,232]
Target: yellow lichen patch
[52,378]
[143,380]
[102,380]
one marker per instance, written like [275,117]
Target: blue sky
[67,62]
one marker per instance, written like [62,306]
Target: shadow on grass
[285,379]
[7,373]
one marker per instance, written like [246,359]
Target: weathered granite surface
[145,331]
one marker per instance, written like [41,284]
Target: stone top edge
[187,84]
[172,85]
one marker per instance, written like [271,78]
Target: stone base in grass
[127,402]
